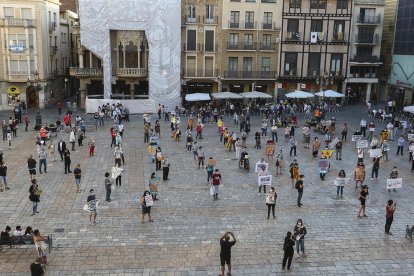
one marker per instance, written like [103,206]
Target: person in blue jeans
[299,233]
[210,169]
[108,187]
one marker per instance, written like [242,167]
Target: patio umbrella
[255,94]
[298,94]
[330,94]
[197,97]
[226,95]
[409,109]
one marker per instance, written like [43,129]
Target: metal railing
[268,25]
[293,36]
[375,19]
[365,58]
[200,73]
[14,22]
[242,46]
[213,20]
[313,72]
[196,48]
[249,74]
[338,37]
[242,25]
[209,48]
[131,72]
[267,46]
[367,39]
[87,72]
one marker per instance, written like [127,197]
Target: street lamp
[324,81]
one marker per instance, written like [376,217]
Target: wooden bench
[23,240]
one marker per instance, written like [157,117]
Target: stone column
[80,57]
[90,60]
[132,90]
[82,93]
[368,95]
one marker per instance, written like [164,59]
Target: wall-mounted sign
[13,90]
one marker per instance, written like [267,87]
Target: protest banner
[327,153]
[360,144]
[341,181]
[356,137]
[333,143]
[116,171]
[265,180]
[375,153]
[410,136]
[394,183]
[262,166]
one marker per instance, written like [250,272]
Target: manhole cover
[59,230]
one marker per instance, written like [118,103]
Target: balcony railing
[85,72]
[14,22]
[374,19]
[242,46]
[293,36]
[52,26]
[367,39]
[242,25]
[267,46]
[320,37]
[291,73]
[209,48]
[363,75]
[192,48]
[369,2]
[192,20]
[200,73]
[268,25]
[131,72]
[365,58]
[249,74]
[53,50]
[313,72]
[213,20]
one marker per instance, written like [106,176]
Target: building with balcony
[30,51]
[202,45]
[250,39]
[365,50]
[402,70]
[315,41]
[135,56]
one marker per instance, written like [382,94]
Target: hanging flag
[314,37]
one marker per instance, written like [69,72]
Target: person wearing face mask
[91,201]
[299,233]
[288,250]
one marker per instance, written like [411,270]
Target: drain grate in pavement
[59,230]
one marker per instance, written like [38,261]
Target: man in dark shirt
[31,164]
[299,187]
[36,267]
[225,252]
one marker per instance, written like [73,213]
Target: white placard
[356,137]
[326,123]
[149,201]
[91,205]
[360,144]
[333,143]
[410,136]
[341,181]
[411,148]
[394,183]
[264,166]
[375,153]
[116,171]
[265,180]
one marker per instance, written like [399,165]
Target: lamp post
[324,81]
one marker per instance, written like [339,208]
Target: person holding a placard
[360,154]
[359,174]
[316,144]
[362,198]
[389,215]
[393,175]
[323,166]
[146,203]
[91,202]
[271,197]
[153,185]
[400,145]
[261,172]
[340,187]
[374,142]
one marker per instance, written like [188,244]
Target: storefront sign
[13,90]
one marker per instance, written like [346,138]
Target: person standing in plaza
[225,251]
[108,187]
[3,176]
[274,133]
[210,168]
[389,215]
[42,159]
[341,186]
[299,186]
[261,172]
[362,198]
[36,268]
[9,138]
[34,196]
[113,137]
[91,201]
[390,136]
[375,168]
[59,107]
[118,155]
[288,250]
[400,144]
[359,174]
[316,144]
[31,164]
[238,146]
[393,175]
[165,168]
[338,148]
[145,209]
[26,121]
[385,148]
[280,163]
[77,172]
[271,197]
[374,142]
[300,232]
[294,172]
[360,155]
[200,154]
[215,182]
[72,138]
[293,144]
[363,125]
[371,128]
[91,145]
[61,148]
[66,156]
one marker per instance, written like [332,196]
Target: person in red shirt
[113,136]
[389,216]
[215,182]
[199,131]
[66,119]
[26,120]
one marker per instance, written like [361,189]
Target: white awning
[298,94]
[197,97]
[330,94]
[409,109]
[255,94]
[226,95]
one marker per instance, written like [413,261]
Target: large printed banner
[265,180]
[394,183]
[340,181]
[361,144]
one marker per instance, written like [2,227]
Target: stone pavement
[183,239]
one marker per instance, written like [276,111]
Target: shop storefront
[13,95]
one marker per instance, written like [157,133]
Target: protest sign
[356,137]
[265,180]
[333,143]
[394,183]
[116,171]
[92,205]
[326,123]
[360,144]
[323,166]
[327,153]
[262,166]
[340,181]
[375,153]
[149,201]
[410,136]
[411,148]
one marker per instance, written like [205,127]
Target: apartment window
[291,64]
[253,1]
[248,41]
[17,41]
[338,31]
[191,66]
[364,51]
[267,20]
[8,12]
[266,43]
[26,13]
[265,67]
[247,66]
[365,35]
[367,16]
[191,14]
[295,4]
[31,44]
[18,67]
[342,4]
[54,17]
[233,66]
[268,1]
[316,25]
[210,12]
[209,41]
[318,4]
[234,19]
[336,64]
[249,18]
[50,16]
[191,40]
[314,64]
[234,40]
[293,25]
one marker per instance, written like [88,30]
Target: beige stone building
[250,45]
[315,40]
[31,52]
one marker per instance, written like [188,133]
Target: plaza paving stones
[183,239]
